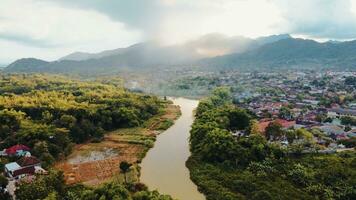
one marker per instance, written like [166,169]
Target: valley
[177,100]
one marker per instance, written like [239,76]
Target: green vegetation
[124,168]
[52,187]
[49,113]
[250,167]
[347,120]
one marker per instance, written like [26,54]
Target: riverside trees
[251,167]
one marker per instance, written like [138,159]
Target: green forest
[253,167]
[51,113]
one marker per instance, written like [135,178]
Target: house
[331,129]
[27,165]
[342,136]
[334,112]
[28,161]
[352,133]
[262,125]
[17,150]
[10,168]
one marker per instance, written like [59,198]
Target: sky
[50,29]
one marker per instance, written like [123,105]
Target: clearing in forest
[95,163]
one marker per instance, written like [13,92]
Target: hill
[26,65]
[210,52]
[290,53]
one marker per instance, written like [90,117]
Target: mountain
[26,65]
[212,51]
[216,44]
[79,56]
[272,38]
[137,57]
[208,45]
[290,53]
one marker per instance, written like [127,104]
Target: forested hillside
[249,166]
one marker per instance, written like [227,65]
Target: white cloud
[56,26]
[325,19]
[44,24]
[185,19]
[11,51]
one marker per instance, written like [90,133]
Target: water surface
[163,168]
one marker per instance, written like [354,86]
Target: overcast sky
[49,29]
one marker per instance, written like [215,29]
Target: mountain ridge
[261,53]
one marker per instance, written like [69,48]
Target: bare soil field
[96,163]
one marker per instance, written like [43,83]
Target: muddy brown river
[163,168]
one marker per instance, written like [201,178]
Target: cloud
[57,26]
[329,19]
[11,51]
[45,24]
[136,14]
[186,19]
[172,20]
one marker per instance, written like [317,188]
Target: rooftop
[12,166]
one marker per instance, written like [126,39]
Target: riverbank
[163,168]
[95,163]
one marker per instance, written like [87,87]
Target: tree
[304,134]
[285,113]
[124,168]
[3,181]
[112,191]
[290,134]
[42,187]
[10,121]
[261,195]
[218,146]
[350,80]
[253,128]
[347,120]
[239,119]
[274,130]
[221,96]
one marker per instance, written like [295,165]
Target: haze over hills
[212,51]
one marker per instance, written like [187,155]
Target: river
[163,168]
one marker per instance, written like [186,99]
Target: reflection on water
[164,168]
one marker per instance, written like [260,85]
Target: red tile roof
[18,147]
[262,125]
[25,170]
[28,161]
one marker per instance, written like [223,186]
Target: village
[322,103]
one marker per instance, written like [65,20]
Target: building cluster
[23,168]
[309,100]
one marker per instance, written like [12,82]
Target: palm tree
[124,168]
